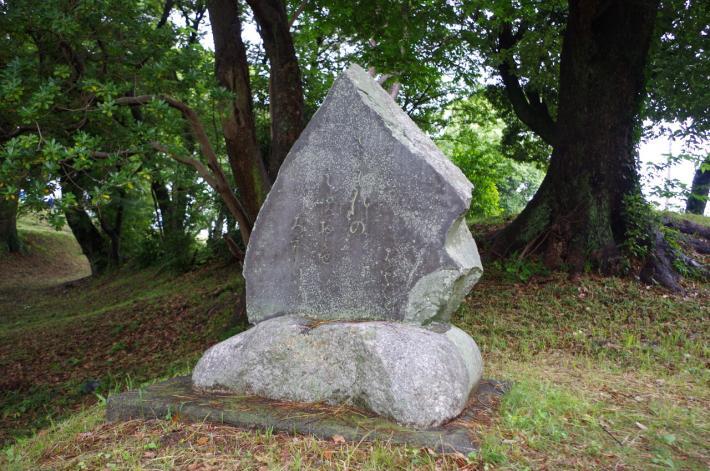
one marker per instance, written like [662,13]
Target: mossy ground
[609,374]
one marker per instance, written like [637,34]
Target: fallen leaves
[47,361]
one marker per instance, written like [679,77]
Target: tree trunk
[93,245]
[578,215]
[285,88]
[698,198]
[111,222]
[232,71]
[9,240]
[172,206]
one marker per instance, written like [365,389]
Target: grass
[101,335]
[51,257]
[608,374]
[696,218]
[60,346]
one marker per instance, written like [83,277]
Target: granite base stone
[417,376]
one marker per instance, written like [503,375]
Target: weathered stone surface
[365,220]
[176,398]
[414,375]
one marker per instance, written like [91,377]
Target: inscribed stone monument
[357,259]
[365,220]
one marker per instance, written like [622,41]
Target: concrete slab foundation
[176,397]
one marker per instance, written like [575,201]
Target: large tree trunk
[285,88]
[9,240]
[232,71]
[698,198]
[578,215]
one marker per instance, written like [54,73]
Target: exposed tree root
[688,227]
[701,246]
[659,268]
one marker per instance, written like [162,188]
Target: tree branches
[528,105]
[212,173]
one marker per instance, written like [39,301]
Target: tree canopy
[144,124]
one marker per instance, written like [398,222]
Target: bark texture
[9,240]
[101,249]
[172,205]
[285,87]
[92,244]
[232,71]
[578,215]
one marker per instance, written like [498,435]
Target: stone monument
[357,260]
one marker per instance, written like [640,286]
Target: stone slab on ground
[176,396]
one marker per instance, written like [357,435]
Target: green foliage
[61,72]
[660,187]
[175,252]
[472,138]
[678,72]
[640,222]
[412,44]
[66,143]
[515,269]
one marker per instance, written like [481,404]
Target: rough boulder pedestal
[357,260]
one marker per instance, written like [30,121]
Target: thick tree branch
[212,172]
[219,184]
[286,103]
[529,107]
[201,168]
[190,116]
[199,9]
[238,125]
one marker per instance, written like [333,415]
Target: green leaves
[472,139]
